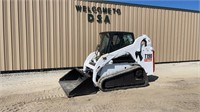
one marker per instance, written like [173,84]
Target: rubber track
[101,80]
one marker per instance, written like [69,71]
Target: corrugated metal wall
[37,34]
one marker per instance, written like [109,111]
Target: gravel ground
[176,89]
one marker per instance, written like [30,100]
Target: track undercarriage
[126,79]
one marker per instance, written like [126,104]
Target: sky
[181,4]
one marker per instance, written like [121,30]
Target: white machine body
[104,65]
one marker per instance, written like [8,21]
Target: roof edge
[141,5]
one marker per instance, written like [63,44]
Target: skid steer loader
[119,62]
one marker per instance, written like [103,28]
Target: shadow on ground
[152,78]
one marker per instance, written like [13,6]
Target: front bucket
[76,83]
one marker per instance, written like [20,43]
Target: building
[47,34]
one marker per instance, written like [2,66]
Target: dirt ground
[176,89]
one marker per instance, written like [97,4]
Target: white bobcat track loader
[118,62]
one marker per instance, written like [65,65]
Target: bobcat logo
[148,58]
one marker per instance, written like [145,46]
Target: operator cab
[112,41]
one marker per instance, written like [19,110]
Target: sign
[95,13]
